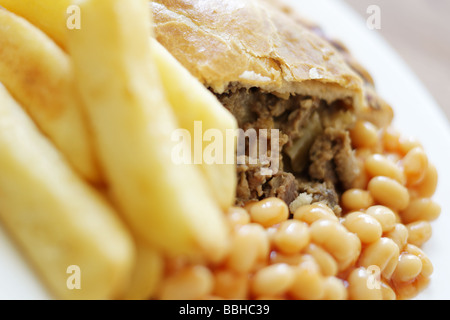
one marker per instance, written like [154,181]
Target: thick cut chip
[67,230]
[167,205]
[39,75]
[147,274]
[51,16]
[187,96]
[192,102]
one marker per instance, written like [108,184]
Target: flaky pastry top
[250,43]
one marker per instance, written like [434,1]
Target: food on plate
[191,102]
[344,171]
[47,15]
[272,72]
[316,196]
[148,269]
[167,204]
[39,75]
[56,217]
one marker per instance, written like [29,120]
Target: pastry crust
[249,43]
[376,109]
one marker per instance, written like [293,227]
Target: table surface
[419,31]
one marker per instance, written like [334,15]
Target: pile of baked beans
[371,252]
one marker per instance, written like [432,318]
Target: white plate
[416,114]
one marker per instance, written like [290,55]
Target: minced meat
[311,129]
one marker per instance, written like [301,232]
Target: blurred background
[419,30]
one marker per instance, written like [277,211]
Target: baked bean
[389,192]
[399,235]
[328,266]
[343,245]
[292,236]
[391,139]
[419,232]
[356,199]
[365,226]
[398,219]
[363,286]
[270,298]
[421,209]
[385,216]
[415,164]
[290,259]
[407,143]
[271,231]
[212,298]
[191,283]
[361,181]
[231,285]
[427,266]
[334,289]
[393,157]
[387,292]
[272,280]
[269,212]
[364,135]
[314,212]
[381,116]
[249,243]
[427,187]
[381,253]
[413,194]
[308,282]
[363,154]
[260,264]
[409,267]
[238,216]
[175,264]
[248,205]
[263,249]
[379,165]
[390,267]
[408,290]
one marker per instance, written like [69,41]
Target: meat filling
[315,155]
